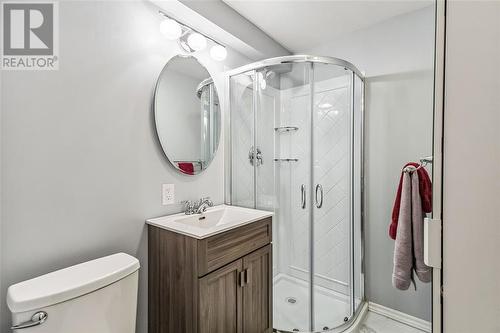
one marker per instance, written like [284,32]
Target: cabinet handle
[242,278]
[248,275]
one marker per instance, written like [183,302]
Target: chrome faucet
[203,204]
[197,207]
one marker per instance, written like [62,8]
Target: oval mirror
[187,114]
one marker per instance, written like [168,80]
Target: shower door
[291,129]
[242,182]
[270,131]
[332,178]
[292,139]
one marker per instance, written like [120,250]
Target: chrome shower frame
[253,67]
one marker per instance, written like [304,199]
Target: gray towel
[403,256]
[409,245]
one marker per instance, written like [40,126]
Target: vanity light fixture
[197,41]
[170,29]
[189,39]
[218,52]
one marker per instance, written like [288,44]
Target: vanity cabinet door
[257,291]
[220,303]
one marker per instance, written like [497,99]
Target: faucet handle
[188,206]
[207,201]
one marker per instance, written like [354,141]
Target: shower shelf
[283,129]
[286,159]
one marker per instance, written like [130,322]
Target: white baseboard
[400,316]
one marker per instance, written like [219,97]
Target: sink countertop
[215,220]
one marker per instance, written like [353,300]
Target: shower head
[270,74]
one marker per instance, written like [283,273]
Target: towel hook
[424,161]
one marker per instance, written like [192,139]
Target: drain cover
[291,300]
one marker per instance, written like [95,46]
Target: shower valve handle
[255,156]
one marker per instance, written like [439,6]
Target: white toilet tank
[98,296]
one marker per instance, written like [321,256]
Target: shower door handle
[319,189]
[303,196]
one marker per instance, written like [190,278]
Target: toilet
[98,296]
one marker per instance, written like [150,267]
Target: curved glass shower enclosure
[295,147]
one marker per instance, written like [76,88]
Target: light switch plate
[167,194]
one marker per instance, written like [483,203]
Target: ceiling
[301,25]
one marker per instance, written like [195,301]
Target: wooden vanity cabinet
[257,291]
[220,284]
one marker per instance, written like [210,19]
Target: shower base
[291,305]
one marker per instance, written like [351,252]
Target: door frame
[437,168]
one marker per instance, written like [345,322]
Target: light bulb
[218,52]
[170,29]
[197,41]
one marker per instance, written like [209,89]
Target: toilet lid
[71,282]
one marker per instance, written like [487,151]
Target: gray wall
[397,58]
[398,130]
[81,166]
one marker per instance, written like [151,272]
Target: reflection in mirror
[187,114]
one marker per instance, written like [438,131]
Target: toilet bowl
[98,296]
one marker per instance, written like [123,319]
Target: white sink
[215,220]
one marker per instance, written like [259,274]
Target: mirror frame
[155,93]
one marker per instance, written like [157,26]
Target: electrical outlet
[167,194]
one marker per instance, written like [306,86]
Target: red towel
[425,189]
[186,167]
